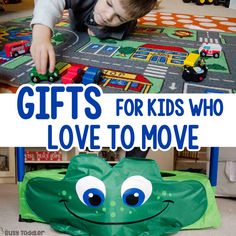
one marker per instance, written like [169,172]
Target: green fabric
[129,199]
[24,210]
[211,218]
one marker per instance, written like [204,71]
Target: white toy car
[210,49]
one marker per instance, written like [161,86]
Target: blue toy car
[91,76]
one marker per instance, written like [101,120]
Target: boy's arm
[46,14]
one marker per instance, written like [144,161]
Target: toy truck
[16,49]
[195,73]
[191,59]
[224,2]
[194,69]
[210,49]
[215,2]
[200,2]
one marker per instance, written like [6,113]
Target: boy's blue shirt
[81,16]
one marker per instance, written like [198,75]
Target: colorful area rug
[155,53]
[209,23]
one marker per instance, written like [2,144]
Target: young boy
[102,18]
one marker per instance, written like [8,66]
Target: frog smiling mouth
[118,223]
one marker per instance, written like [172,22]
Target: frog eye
[136,190]
[91,191]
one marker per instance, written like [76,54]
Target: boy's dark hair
[138,8]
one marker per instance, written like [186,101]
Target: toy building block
[73,74]
[16,49]
[91,76]
[35,77]
[210,49]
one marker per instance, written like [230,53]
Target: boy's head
[116,12]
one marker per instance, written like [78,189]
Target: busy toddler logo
[66,116]
[6,232]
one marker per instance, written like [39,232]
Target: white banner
[63,117]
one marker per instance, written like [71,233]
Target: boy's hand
[41,49]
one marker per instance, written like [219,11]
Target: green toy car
[35,77]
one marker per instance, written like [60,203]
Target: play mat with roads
[150,60]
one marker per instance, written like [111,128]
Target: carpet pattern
[198,22]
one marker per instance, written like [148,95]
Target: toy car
[199,2]
[73,74]
[15,49]
[195,74]
[215,2]
[210,49]
[92,75]
[224,2]
[51,77]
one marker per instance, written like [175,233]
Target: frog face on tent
[127,199]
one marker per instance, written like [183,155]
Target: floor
[17,10]
[9,217]
[8,192]
[178,6]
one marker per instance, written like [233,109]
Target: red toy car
[17,48]
[73,74]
